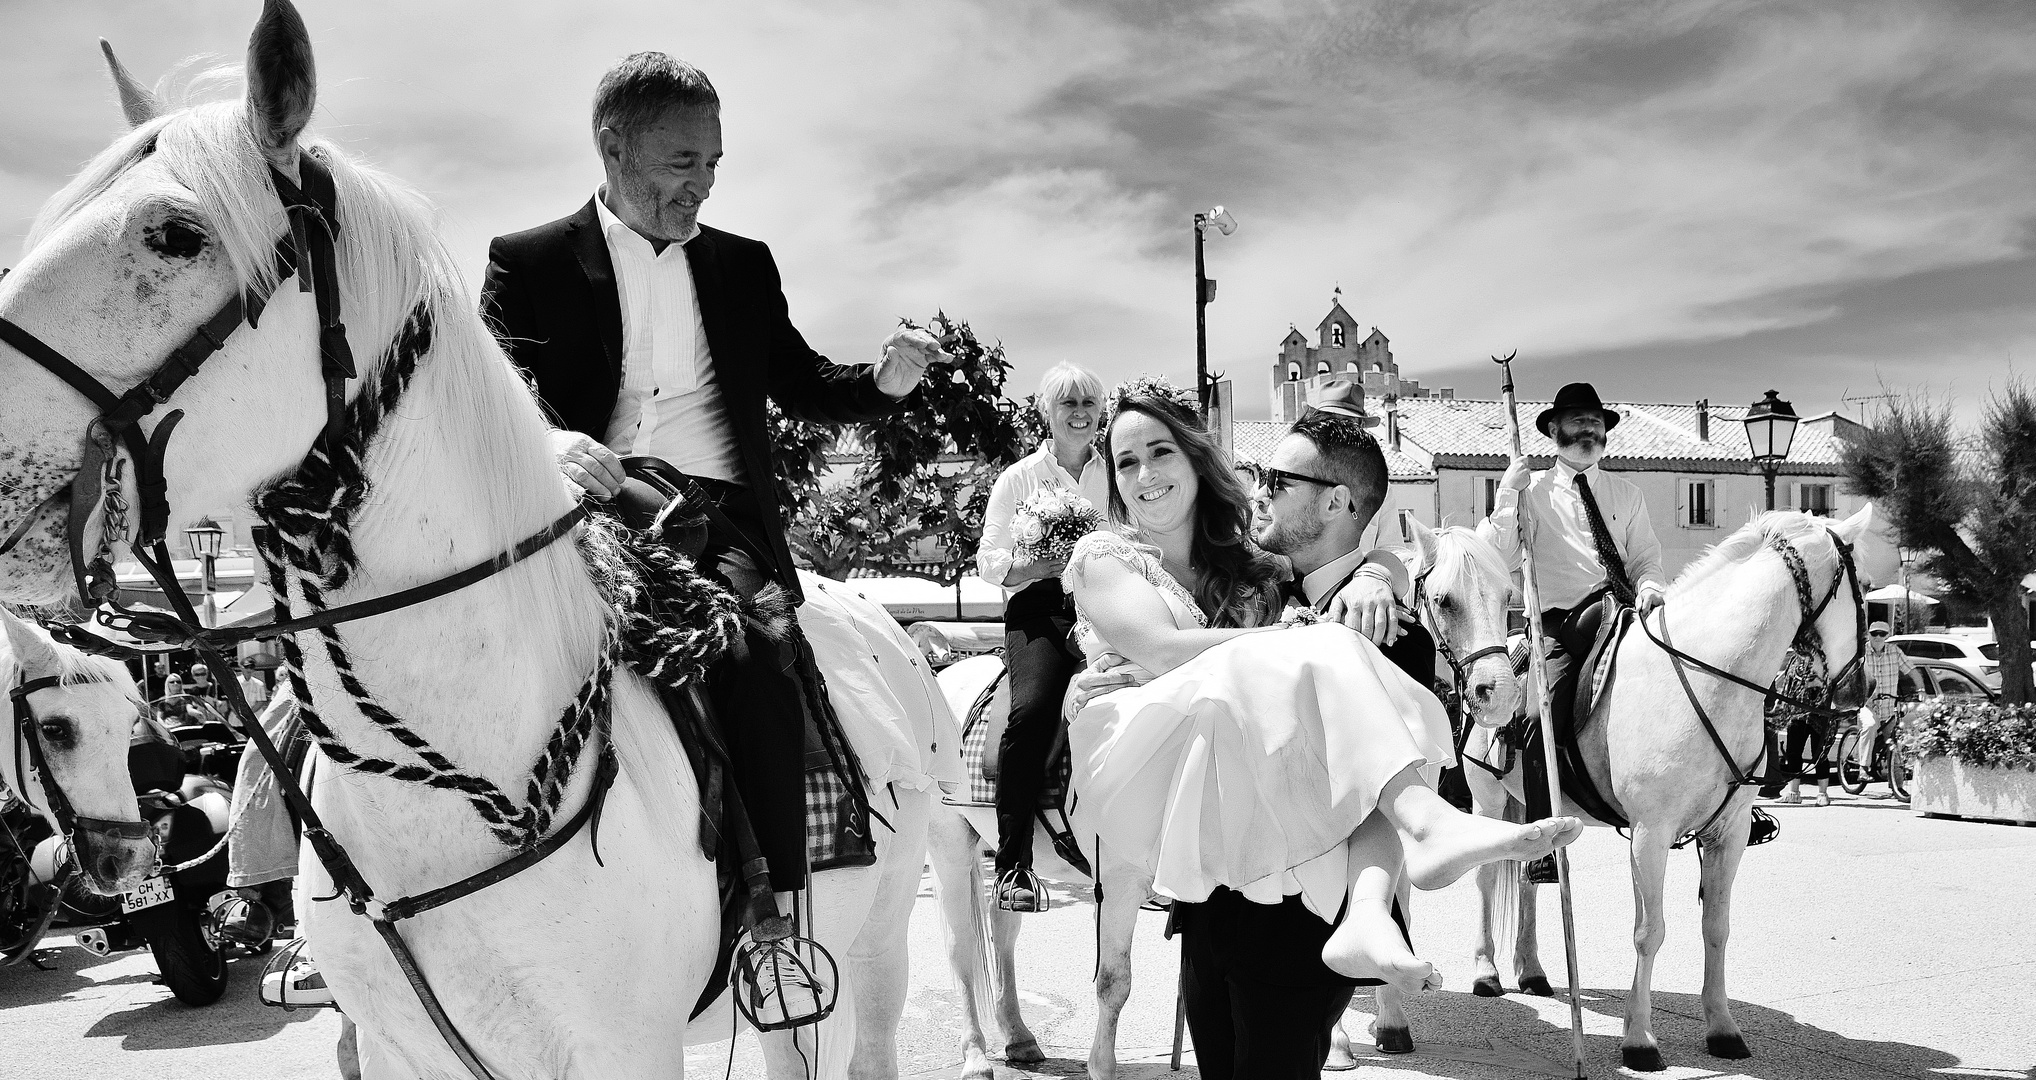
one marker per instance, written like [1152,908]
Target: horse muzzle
[1491,692]
[115,855]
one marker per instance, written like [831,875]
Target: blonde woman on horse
[1592,538]
[1249,762]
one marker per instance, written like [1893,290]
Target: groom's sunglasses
[1278,480]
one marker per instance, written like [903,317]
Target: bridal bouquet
[1046,526]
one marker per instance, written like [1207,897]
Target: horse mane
[1461,552]
[1782,524]
[392,264]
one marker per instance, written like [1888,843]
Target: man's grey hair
[644,86]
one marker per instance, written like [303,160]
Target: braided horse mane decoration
[470,716]
[667,620]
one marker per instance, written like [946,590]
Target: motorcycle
[183,912]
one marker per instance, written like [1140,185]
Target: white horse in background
[573,968]
[1465,585]
[84,724]
[1736,608]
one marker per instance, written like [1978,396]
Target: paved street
[1868,942]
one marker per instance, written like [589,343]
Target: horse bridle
[29,755]
[1848,571]
[307,251]
[1425,604]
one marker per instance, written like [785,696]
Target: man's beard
[1288,537]
[1565,439]
[667,220]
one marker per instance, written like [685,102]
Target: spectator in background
[1885,667]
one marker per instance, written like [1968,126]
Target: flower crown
[1184,401]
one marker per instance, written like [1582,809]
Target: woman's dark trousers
[1039,660]
[1800,733]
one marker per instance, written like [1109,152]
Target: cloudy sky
[1674,200]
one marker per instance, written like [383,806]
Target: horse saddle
[1591,639]
[657,499]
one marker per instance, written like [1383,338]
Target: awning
[1895,594]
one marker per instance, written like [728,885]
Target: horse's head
[1842,623]
[125,265]
[1464,587]
[80,713]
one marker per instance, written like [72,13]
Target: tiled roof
[1647,433]
[1253,440]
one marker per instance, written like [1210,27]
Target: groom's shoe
[1542,871]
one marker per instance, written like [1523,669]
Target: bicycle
[1882,763]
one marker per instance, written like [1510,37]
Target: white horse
[1465,586]
[575,967]
[83,723]
[1738,609]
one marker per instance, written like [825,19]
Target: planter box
[1946,787]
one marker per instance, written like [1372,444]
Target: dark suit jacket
[551,296]
[1413,652]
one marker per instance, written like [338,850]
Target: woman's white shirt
[1025,477]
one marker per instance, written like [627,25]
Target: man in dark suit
[646,333]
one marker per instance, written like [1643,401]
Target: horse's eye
[56,731]
[177,239]
[1445,603]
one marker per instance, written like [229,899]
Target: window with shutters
[1698,504]
[1487,495]
[1814,499]
[1406,526]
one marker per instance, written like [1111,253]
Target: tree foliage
[1967,506]
[914,506]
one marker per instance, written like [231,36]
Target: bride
[1271,759]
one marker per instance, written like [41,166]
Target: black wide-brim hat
[1577,395]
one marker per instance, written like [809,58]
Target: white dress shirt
[1566,563]
[1039,469]
[669,405]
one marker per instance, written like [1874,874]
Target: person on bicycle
[1885,666]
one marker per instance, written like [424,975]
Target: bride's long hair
[1235,589]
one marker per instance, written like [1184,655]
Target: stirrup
[1763,829]
[785,982]
[1019,889]
[240,920]
[291,982]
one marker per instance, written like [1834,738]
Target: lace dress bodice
[1142,558]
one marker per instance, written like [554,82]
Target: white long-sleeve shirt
[1027,475]
[1566,563]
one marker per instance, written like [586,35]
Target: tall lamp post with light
[1770,428]
[205,539]
[1205,291]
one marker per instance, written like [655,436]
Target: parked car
[1945,681]
[1977,657]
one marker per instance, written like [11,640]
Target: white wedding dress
[1250,765]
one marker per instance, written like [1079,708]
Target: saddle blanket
[982,788]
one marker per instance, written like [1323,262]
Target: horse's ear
[1424,542]
[1854,527]
[136,100]
[35,654]
[282,83]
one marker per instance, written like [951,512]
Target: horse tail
[964,906]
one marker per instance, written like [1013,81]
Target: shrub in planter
[1974,733]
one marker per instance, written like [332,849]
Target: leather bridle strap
[60,807]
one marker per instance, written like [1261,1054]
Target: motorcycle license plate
[152,891]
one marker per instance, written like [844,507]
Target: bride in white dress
[1257,755]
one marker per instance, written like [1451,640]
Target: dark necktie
[1608,553]
[1291,590]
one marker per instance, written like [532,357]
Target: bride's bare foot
[1367,944]
[1462,842]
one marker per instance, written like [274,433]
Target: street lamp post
[1903,555]
[1770,428]
[205,539]
[1205,292]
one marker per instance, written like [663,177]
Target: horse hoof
[1537,985]
[1393,1040]
[1340,1060]
[1488,987]
[1727,1046]
[1641,1058]
[1024,1053]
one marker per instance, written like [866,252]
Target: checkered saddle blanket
[984,723]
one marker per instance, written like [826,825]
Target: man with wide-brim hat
[1593,540]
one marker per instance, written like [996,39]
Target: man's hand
[906,353]
[592,467]
[1365,604]
[1648,598]
[1518,475]
[1111,671]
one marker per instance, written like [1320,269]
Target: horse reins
[1458,664]
[307,251]
[29,755]
[1805,632]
